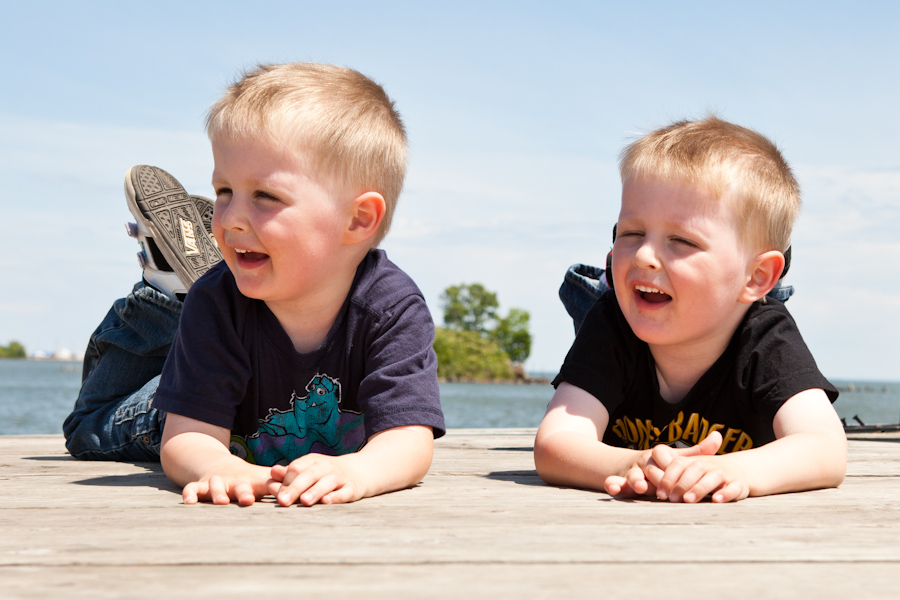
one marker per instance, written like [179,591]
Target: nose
[231,214]
[646,256]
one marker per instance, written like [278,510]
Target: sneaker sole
[205,207]
[166,210]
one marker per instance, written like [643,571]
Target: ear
[764,270]
[365,216]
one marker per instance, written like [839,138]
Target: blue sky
[516,113]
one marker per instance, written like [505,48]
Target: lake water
[36,397]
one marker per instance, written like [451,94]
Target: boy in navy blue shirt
[302,366]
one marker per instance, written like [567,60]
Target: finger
[327,484]
[660,458]
[191,492]
[710,444]
[298,478]
[653,474]
[334,486]
[278,472]
[707,483]
[346,493]
[298,468]
[731,492]
[218,491]
[636,480]
[616,485]
[671,477]
[662,455]
[243,494]
[288,494]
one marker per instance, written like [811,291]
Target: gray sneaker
[205,207]
[175,246]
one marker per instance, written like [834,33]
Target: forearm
[391,460]
[193,456]
[579,460]
[193,451]
[797,462]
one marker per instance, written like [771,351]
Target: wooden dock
[481,525]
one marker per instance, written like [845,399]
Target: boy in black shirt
[685,362]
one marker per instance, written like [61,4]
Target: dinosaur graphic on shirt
[314,423]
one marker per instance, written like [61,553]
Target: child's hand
[222,490]
[314,478]
[690,478]
[635,482]
[661,467]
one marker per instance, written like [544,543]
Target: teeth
[650,290]
[240,251]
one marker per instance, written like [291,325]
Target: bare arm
[810,452]
[568,449]
[195,456]
[393,459]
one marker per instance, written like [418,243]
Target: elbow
[548,459]
[840,462]
[167,459]
[833,466]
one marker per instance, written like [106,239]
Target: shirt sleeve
[602,357]
[780,364]
[400,386]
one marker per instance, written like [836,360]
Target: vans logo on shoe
[187,234]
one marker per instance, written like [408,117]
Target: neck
[307,320]
[679,368]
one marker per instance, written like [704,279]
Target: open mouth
[652,295]
[249,257]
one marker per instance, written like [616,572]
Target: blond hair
[344,122]
[726,159]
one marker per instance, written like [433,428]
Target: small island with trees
[476,344]
[12,350]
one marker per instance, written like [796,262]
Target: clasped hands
[680,475]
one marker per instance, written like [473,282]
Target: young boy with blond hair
[302,366]
[685,380]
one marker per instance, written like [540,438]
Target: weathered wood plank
[481,523]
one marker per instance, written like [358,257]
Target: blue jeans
[112,418]
[583,284]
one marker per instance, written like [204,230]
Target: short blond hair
[343,121]
[724,158]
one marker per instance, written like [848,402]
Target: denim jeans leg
[781,292]
[582,286]
[113,418]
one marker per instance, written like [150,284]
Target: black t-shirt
[233,365]
[764,365]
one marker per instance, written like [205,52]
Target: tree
[512,334]
[14,350]
[472,308]
[469,307]
[469,355]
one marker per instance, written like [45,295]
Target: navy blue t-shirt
[764,365]
[233,365]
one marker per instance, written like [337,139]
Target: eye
[320,392]
[222,192]
[266,196]
[634,233]
[684,242]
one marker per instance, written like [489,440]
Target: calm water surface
[36,397]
